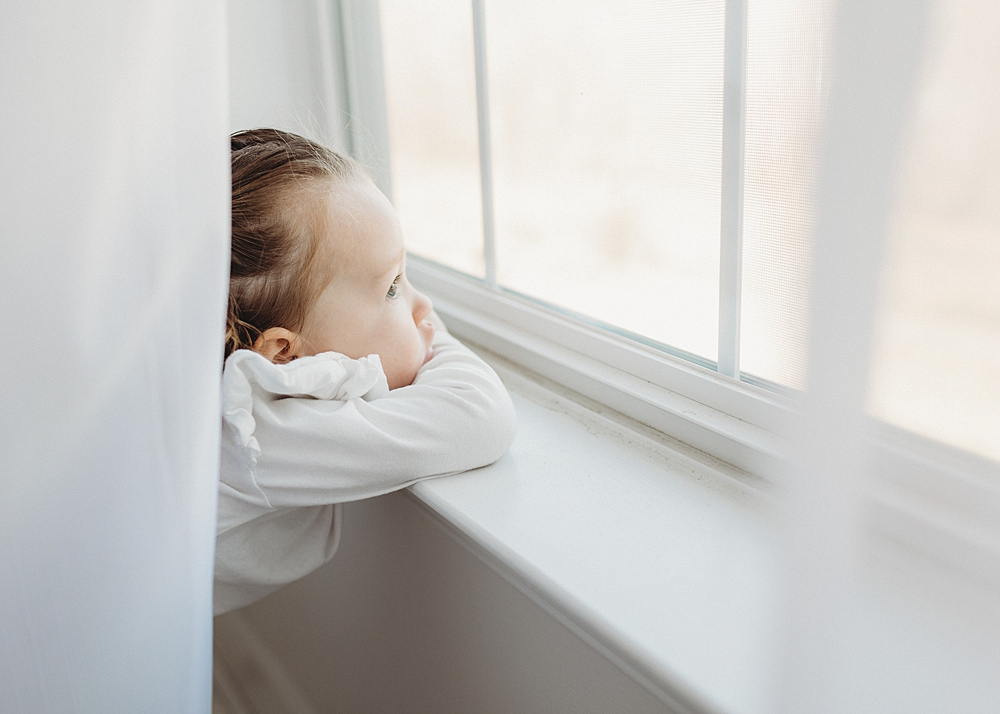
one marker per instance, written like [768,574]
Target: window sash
[733,154]
[733,131]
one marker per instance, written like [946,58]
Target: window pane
[431,96]
[607,130]
[937,360]
[785,40]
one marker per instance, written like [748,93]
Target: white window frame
[926,495]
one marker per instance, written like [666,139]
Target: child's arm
[455,416]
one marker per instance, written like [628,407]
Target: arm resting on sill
[299,438]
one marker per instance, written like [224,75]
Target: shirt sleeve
[455,416]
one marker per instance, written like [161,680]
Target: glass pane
[431,96]
[937,364]
[785,41]
[607,131]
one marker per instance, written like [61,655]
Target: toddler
[340,382]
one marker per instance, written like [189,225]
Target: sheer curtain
[113,260]
[867,630]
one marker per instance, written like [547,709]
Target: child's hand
[435,320]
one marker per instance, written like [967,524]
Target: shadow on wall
[405,618]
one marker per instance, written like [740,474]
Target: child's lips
[430,348]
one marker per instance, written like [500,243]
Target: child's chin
[403,379]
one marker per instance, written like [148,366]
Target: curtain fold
[876,58]
[114,220]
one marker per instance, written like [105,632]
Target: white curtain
[114,213]
[842,650]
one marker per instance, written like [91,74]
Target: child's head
[317,260]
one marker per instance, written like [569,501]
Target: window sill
[612,532]
[669,564]
[923,495]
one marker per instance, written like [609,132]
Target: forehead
[363,235]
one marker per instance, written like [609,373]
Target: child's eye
[394,288]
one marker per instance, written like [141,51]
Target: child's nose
[422,306]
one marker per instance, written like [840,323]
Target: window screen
[607,126]
[784,105]
[431,98]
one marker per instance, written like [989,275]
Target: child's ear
[278,345]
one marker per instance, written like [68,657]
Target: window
[608,173]
[606,126]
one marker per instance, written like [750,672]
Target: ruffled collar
[328,376]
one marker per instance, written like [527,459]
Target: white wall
[285,68]
[289,70]
[405,619]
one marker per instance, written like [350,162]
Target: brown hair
[273,279]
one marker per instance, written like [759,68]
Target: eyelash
[394,288]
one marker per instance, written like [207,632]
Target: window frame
[727,419]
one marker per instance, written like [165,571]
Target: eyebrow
[395,262]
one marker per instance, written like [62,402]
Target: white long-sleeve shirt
[301,437]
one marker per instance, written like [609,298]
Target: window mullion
[731,233]
[485,156]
